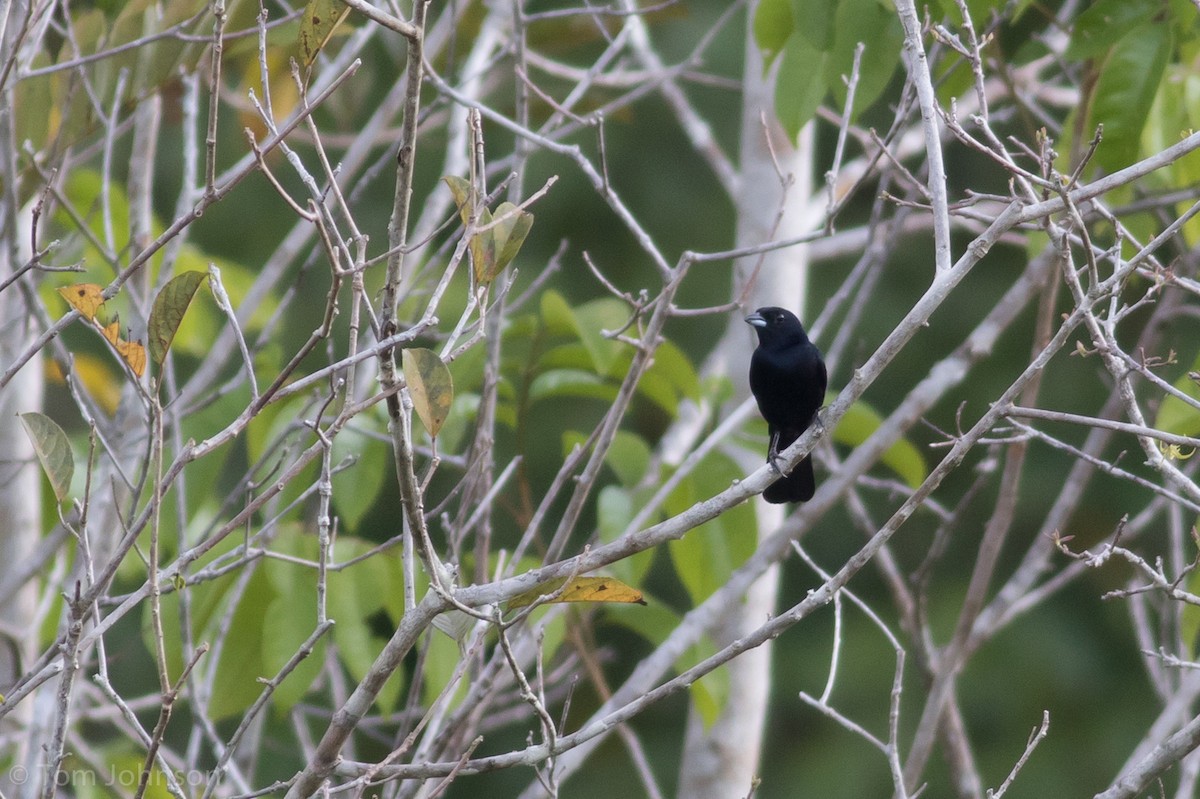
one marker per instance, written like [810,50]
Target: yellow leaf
[132,351]
[1176,452]
[463,193]
[285,96]
[95,375]
[84,297]
[134,354]
[579,589]
[483,249]
[430,386]
[321,18]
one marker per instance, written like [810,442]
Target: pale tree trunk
[721,761]
[20,474]
[20,508]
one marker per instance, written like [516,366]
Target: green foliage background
[559,375]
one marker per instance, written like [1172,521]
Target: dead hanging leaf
[455,624]
[87,298]
[132,351]
[111,332]
[510,233]
[579,589]
[285,95]
[169,307]
[134,354]
[483,245]
[84,297]
[53,451]
[494,248]
[463,195]
[320,20]
[430,386]
[483,249]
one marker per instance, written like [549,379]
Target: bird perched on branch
[787,378]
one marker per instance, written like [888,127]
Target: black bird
[787,378]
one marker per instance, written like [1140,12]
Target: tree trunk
[722,760]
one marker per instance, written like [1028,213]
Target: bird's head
[776,325]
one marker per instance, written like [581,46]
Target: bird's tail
[799,486]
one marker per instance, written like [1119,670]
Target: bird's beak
[756,320]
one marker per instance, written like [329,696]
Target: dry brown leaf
[84,297]
[579,589]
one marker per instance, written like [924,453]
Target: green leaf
[655,623]
[241,662]
[614,511]
[268,427]
[377,579]
[430,386]
[53,451]
[585,324]
[673,365]
[321,18]
[570,383]
[881,33]
[85,190]
[1105,22]
[556,314]
[670,378]
[707,555]
[1175,415]
[509,235]
[799,84]
[291,618]
[356,488]
[354,596]
[592,319]
[1125,92]
[773,25]
[710,692]
[207,607]
[204,321]
[860,422]
[952,79]
[169,307]
[572,355]
[1175,113]
[139,18]
[615,508]
[1189,618]
[441,658]
[628,457]
[817,17]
